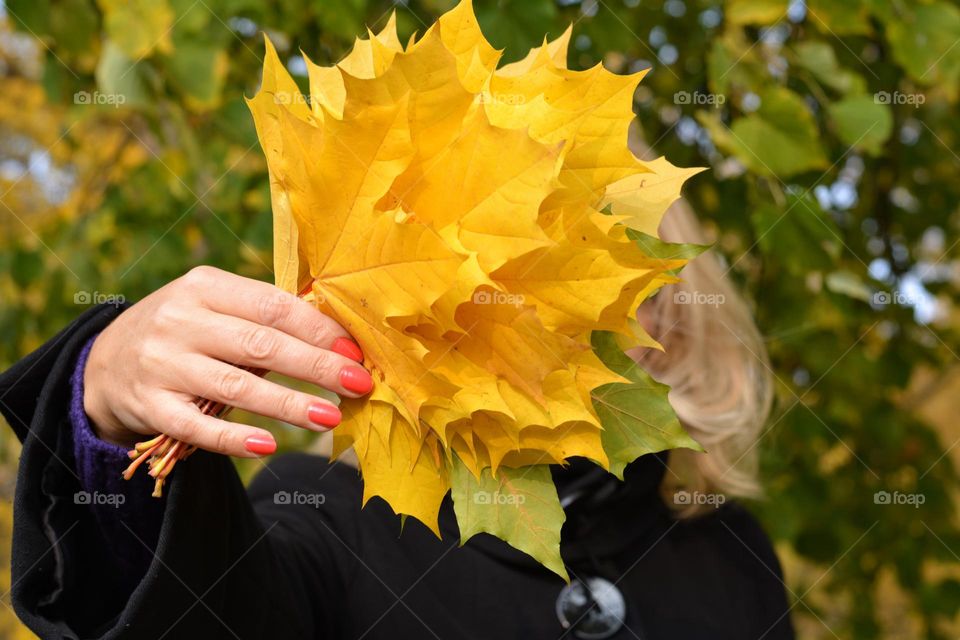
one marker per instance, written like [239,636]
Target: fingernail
[260,445]
[356,379]
[347,348]
[325,415]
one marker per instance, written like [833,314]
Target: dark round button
[593,609]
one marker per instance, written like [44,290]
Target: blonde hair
[715,361]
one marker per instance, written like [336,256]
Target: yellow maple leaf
[643,198]
[467,225]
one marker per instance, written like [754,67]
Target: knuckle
[322,368]
[200,276]
[142,402]
[273,309]
[151,355]
[260,343]
[168,316]
[288,407]
[321,334]
[185,426]
[231,386]
[222,440]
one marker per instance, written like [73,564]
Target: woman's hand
[189,339]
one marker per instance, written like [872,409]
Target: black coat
[231,562]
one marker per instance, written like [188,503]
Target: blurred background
[830,127]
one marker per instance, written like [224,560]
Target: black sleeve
[219,569]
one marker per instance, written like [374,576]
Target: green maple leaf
[519,506]
[637,417]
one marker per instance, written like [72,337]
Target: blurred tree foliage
[127,155]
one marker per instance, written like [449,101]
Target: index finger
[270,306]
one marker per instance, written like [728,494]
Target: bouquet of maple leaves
[486,236]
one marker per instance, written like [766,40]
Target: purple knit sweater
[128,516]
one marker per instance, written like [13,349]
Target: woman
[294,555]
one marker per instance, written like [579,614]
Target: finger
[270,306]
[182,420]
[239,341]
[235,387]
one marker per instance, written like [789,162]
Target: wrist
[103,421]
[105,427]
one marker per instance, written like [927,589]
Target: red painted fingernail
[356,379]
[325,415]
[347,348]
[260,445]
